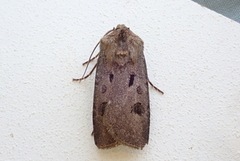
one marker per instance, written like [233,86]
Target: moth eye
[131,80]
[102,108]
[111,77]
[138,108]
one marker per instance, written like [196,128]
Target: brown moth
[121,113]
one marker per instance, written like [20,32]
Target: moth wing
[127,115]
[103,139]
[121,104]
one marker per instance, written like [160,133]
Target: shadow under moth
[121,113]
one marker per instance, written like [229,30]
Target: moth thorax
[122,57]
[122,53]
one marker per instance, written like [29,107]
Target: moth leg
[86,75]
[90,59]
[155,87]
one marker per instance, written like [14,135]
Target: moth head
[122,32]
[122,26]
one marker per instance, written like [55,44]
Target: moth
[121,110]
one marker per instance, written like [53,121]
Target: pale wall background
[192,54]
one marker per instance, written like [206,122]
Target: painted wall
[229,8]
[192,54]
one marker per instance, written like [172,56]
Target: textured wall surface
[229,8]
[192,54]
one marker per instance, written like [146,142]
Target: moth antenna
[86,75]
[89,60]
[90,57]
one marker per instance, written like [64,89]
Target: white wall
[192,54]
